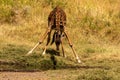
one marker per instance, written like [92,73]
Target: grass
[97,64]
[97,42]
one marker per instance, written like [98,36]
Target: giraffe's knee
[71,45]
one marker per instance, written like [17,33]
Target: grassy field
[93,26]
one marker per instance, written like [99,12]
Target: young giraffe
[56,22]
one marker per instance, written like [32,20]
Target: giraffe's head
[57,38]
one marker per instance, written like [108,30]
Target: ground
[23,76]
[104,69]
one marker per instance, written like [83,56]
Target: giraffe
[57,22]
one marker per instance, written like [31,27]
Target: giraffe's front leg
[30,52]
[71,45]
[41,40]
[48,40]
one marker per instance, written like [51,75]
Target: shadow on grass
[53,52]
[13,59]
[38,70]
[18,67]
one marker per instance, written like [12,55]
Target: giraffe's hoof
[79,61]
[43,53]
[30,52]
[64,56]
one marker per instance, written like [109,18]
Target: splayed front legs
[48,32]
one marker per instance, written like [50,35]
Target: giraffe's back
[57,19]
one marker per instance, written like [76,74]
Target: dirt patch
[23,76]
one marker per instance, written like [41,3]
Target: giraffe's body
[57,19]
[57,22]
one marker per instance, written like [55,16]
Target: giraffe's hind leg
[62,47]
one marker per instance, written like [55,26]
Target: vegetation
[96,23]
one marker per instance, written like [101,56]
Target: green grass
[100,66]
